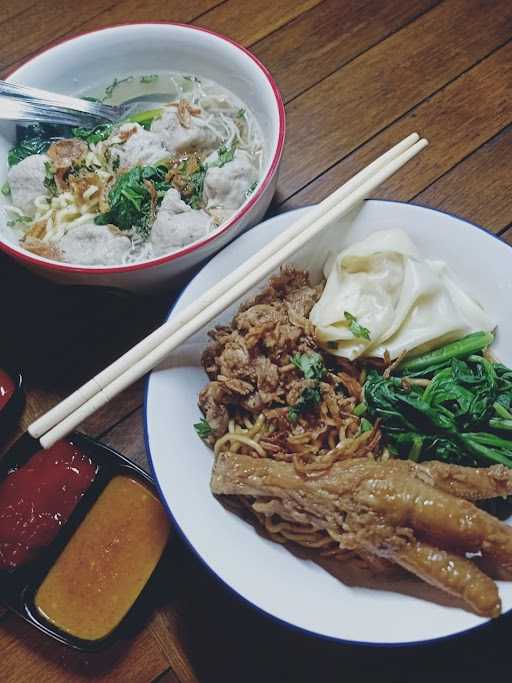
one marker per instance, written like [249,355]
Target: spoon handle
[25,110]
[56,100]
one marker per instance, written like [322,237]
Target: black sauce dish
[18,586]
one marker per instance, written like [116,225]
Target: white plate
[296,591]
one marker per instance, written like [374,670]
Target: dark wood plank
[150,10]
[167,629]
[168,677]
[457,120]
[326,37]
[71,334]
[40,399]
[480,187]
[346,109]
[42,23]
[236,18]
[28,655]
[107,417]
[127,436]
[247,22]
[11,9]
[507,236]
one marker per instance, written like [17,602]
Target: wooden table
[356,77]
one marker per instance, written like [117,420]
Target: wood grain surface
[356,76]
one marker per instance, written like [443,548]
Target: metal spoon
[24,103]
[21,110]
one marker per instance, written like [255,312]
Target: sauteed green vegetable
[453,404]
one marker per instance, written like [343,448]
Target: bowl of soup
[139,203]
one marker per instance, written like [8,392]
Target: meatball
[26,181]
[141,147]
[227,185]
[94,245]
[179,138]
[177,225]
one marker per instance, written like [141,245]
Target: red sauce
[37,499]
[6,388]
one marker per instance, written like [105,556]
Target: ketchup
[6,388]
[37,499]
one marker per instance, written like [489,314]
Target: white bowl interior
[266,574]
[90,62]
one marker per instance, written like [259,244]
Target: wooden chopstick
[150,352]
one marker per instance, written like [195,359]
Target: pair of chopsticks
[149,352]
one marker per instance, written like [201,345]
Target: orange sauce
[107,562]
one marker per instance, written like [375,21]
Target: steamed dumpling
[176,137]
[405,302]
[26,180]
[142,147]
[94,245]
[227,185]
[177,225]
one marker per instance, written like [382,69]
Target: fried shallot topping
[185,111]
[64,155]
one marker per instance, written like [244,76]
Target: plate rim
[487,624]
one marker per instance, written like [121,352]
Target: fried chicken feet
[414,515]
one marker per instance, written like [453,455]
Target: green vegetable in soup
[93,135]
[149,78]
[225,155]
[34,139]
[188,178]
[109,90]
[196,182]
[251,189]
[19,219]
[144,118]
[49,179]
[104,130]
[134,198]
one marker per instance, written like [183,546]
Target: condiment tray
[19,586]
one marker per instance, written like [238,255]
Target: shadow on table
[60,335]
[228,641]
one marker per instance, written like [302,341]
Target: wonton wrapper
[407,303]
